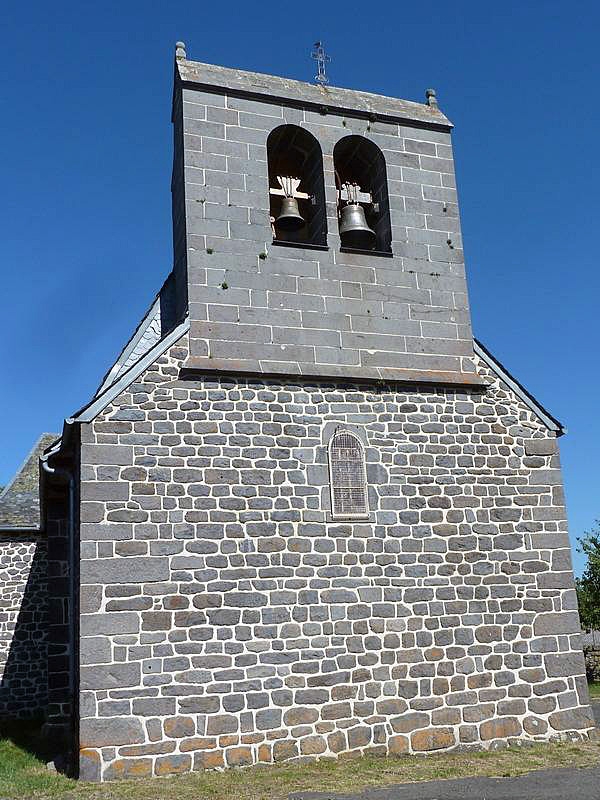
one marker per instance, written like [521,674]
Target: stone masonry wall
[330,312]
[59,718]
[592,662]
[23,621]
[225,620]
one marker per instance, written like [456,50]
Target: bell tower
[316,230]
[314,517]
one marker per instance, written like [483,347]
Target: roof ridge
[153,312]
[326,87]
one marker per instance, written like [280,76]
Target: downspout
[60,472]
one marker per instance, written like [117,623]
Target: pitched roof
[156,322]
[144,337]
[157,331]
[125,377]
[20,500]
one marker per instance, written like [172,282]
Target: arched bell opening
[362,195]
[296,187]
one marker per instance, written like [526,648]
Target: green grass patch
[594,688]
[23,757]
[23,773]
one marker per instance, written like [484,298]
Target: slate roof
[154,349]
[106,394]
[20,500]
[146,335]
[154,325]
[500,370]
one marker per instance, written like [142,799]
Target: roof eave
[545,416]
[19,529]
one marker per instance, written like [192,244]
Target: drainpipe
[59,472]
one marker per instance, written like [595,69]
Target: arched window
[363,204]
[348,476]
[296,187]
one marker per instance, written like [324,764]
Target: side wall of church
[23,625]
[227,620]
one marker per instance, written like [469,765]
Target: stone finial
[431,96]
[180,50]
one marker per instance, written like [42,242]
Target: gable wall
[225,620]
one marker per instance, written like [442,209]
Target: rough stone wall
[592,662]
[23,624]
[225,620]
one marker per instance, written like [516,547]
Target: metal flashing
[99,403]
[549,421]
[144,336]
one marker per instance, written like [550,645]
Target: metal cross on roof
[321,58]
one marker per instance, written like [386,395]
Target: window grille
[348,476]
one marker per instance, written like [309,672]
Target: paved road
[547,784]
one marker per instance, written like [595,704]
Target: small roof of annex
[20,500]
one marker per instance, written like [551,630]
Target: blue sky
[86,161]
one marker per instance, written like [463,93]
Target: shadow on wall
[23,628]
[26,734]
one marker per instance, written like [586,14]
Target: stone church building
[307,513]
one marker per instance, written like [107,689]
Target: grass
[594,688]
[23,773]
[23,758]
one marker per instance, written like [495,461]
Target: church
[306,513]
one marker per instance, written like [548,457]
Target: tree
[588,586]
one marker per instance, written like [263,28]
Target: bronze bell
[354,230]
[289,218]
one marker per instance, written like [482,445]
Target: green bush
[592,664]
